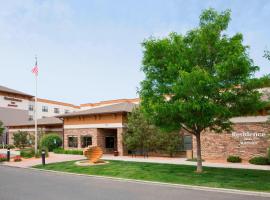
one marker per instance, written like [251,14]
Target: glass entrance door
[109,142]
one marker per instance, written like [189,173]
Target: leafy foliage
[267,54]
[1,128]
[3,158]
[141,134]
[21,139]
[144,136]
[169,142]
[51,141]
[27,153]
[260,160]
[63,151]
[200,80]
[234,159]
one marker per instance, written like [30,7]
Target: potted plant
[115,153]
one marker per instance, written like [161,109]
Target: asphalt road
[27,184]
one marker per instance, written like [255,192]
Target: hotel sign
[248,137]
[13,101]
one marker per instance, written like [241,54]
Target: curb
[181,186]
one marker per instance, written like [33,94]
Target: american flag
[35,69]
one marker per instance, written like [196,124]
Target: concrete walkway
[182,161]
[54,158]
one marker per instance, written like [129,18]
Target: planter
[116,153]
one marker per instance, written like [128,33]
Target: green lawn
[244,179]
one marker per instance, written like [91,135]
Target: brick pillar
[120,146]
[79,142]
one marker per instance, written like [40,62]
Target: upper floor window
[56,110]
[31,107]
[30,118]
[66,111]
[44,108]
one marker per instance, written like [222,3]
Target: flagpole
[36,131]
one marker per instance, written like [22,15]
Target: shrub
[63,151]
[234,159]
[28,153]
[3,158]
[260,160]
[17,159]
[6,146]
[21,139]
[51,141]
[38,155]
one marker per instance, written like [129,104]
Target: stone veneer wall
[218,146]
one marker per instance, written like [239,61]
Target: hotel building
[104,124]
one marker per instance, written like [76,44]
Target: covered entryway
[107,140]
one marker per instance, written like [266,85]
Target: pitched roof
[114,108]
[9,90]
[109,102]
[43,121]
[57,103]
[12,116]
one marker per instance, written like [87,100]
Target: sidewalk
[182,161]
[53,158]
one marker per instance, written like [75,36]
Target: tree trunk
[199,154]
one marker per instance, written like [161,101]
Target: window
[66,111]
[56,110]
[109,142]
[44,108]
[30,118]
[31,108]
[188,142]
[86,141]
[72,142]
[43,117]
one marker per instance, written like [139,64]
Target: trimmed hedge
[63,151]
[260,160]
[28,153]
[51,141]
[234,159]
[6,146]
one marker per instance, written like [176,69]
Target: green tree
[141,134]
[2,128]
[267,54]
[199,80]
[51,141]
[21,139]
[169,142]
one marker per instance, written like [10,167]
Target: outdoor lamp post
[43,155]
[8,154]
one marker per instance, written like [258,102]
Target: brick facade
[98,138]
[78,133]
[218,146]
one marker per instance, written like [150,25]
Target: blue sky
[90,50]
